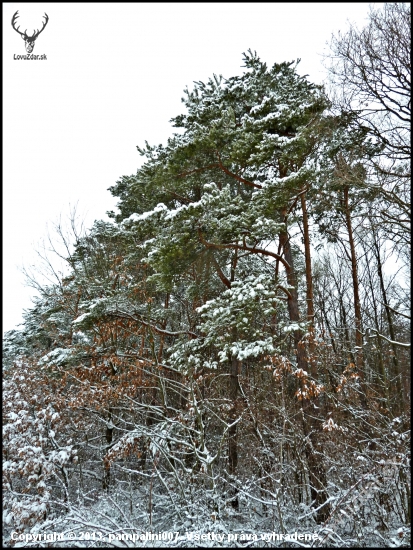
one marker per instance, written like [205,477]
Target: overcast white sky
[113,78]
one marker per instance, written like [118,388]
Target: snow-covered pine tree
[228,185]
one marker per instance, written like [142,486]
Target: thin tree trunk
[328,326]
[109,438]
[382,369]
[233,389]
[314,454]
[357,307]
[308,270]
[343,320]
[232,432]
[388,314]
[309,286]
[354,276]
[233,394]
[163,326]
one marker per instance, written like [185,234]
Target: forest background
[231,350]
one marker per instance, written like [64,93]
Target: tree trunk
[109,438]
[309,288]
[388,315]
[308,270]
[357,307]
[314,454]
[233,394]
[163,326]
[292,303]
[382,370]
[354,276]
[232,432]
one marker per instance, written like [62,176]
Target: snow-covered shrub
[35,453]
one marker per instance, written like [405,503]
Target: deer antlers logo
[28,40]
